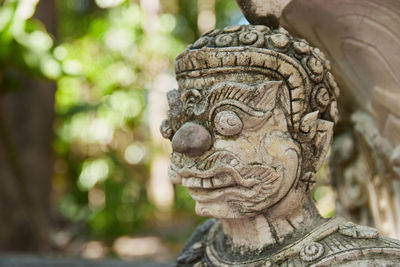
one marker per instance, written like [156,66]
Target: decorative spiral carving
[321,56]
[314,68]
[248,38]
[311,252]
[280,41]
[228,123]
[224,40]
[233,28]
[262,28]
[203,41]
[301,47]
[213,32]
[315,65]
[318,53]
[322,97]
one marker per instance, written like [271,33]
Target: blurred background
[83,167]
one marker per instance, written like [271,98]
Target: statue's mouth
[218,181]
[221,170]
[213,178]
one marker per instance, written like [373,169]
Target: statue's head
[251,121]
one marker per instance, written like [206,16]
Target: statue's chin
[221,210]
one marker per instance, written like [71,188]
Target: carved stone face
[252,118]
[236,156]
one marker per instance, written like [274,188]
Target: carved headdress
[304,69]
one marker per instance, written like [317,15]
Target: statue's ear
[322,142]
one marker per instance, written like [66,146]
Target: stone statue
[250,124]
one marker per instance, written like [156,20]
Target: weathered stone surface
[269,106]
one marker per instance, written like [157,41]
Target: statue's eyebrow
[260,97]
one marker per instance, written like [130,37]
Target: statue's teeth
[195,182]
[207,183]
[192,182]
[217,181]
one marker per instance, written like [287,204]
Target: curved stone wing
[362,41]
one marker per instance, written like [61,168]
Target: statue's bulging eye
[228,123]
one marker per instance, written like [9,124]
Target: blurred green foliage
[104,59]
[24,44]
[100,105]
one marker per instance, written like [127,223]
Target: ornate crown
[257,48]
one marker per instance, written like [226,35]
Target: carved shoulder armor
[193,251]
[335,243]
[352,245]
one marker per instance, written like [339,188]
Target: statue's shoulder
[335,243]
[352,245]
[193,249]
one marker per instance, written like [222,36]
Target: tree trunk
[26,117]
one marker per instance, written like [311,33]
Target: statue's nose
[191,139]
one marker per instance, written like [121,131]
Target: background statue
[251,123]
[362,40]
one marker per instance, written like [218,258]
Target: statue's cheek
[282,151]
[243,147]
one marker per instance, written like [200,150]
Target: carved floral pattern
[312,252]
